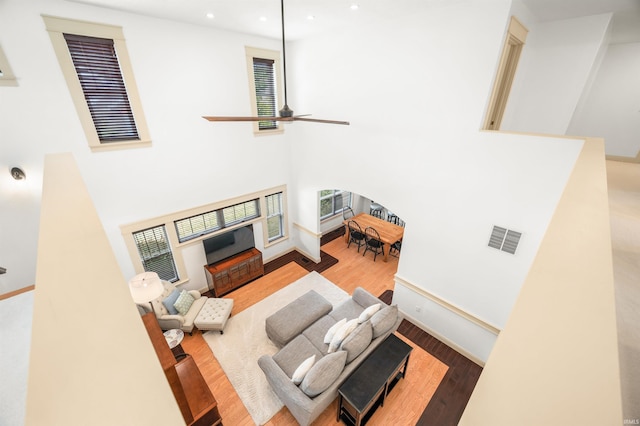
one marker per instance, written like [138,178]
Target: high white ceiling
[262,17]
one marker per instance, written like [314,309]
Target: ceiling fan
[286,113]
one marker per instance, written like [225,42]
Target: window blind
[155,252]
[263,74]
[98,69]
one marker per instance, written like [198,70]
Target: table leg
[385,252]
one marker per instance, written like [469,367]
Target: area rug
[245,340]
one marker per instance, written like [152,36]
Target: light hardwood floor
[409,398]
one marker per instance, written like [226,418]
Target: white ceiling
[245,15]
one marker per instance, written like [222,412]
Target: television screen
[228,244]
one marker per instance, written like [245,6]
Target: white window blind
[264,78]
[155,252]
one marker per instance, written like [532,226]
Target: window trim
[281,214]
[56,27]
[274,55]
[177,247]
[7,78]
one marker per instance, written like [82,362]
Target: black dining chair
[373,242]
[355,234]
[347,213]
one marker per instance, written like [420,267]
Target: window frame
[335,193]
[177,247]
[279,214]
[272,55]
[56,28]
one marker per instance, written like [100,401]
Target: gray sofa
[299,329]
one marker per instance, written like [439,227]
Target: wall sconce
[17,173]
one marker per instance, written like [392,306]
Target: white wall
[612,106]
[556,65]
[414,86]
[415,110]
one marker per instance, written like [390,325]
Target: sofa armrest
[365,299]
[298,403]
[169,322]
[195,294]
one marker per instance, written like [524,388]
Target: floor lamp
[145,288]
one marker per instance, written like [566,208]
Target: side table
[174,338]
[367,387]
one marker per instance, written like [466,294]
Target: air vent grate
[504,239]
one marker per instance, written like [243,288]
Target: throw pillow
[303,369]
[170,300]
[368,313]
[356,342]
[184,302]
[323,374]
[383,320]
[332,331]
[341,334]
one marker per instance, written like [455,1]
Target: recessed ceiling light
[210,15]
[354,6]
[311,17]
[263,19]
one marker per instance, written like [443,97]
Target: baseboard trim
[448,306]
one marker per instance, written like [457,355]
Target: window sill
[113,146]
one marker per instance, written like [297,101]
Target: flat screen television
[228,244]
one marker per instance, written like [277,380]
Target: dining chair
[373,242]
[347,213]
[355,234]
[379,213]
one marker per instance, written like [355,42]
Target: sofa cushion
[357,341]
[332,331]
[342,334]
[384,319]
[346,309]
[303,369]
[170,300]
[323,373]
[291,320]
[291,356]
[184,302]
[317,331]
[368,313]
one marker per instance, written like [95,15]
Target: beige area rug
[245,340]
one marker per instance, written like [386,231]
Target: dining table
[389,232]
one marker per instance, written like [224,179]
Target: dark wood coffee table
[367,387]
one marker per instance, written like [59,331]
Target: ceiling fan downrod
[285,111]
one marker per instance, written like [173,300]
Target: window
[274,216]
[6,75]
[264,79]
[516,36]
[206,223]
[155,252]
[264,74]
[332,201]
[96,66]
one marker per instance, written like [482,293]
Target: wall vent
[504,239]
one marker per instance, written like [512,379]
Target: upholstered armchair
[176,308]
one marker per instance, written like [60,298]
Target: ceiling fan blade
[317,120]
[228,118]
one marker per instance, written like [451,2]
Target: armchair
[170,321]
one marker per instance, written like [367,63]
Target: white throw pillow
[303,369]
[341,334]
[368,313]
[332,331]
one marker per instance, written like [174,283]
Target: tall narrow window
[155,252]
[516,36]
[275,228]
[264,79]
[96,66]
[98,69]
[263,68]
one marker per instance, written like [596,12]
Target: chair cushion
[323,373]
[170,300]
[184,302]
